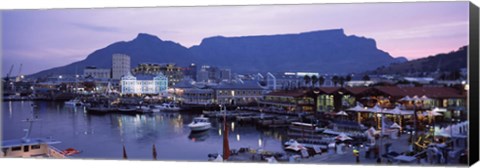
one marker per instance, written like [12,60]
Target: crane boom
[9,72]
[19,75]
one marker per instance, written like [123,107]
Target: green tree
[307,79]
[335,80]
[321,80]
[314,80]
[366,78]
[341,81]
[348,78]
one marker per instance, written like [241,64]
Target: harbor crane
[7,78]
[19,76]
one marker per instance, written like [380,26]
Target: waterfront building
[334,99]
[290,101]
[144,84]
[271,81]
[285,81]
[198,96]
[172,71]
[120,65]
[238,92]
[96,73]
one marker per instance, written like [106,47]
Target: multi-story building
[225,74]
[238,93]
[144,84]
[120,65]
[173,72]
[202,76]
[96,73]
[213,74]
[191,71]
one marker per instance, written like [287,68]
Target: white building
[144,84]
[96,73]
[120,65]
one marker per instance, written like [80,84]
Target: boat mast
[30,124]
[226,147]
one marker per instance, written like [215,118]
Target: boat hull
[198,128]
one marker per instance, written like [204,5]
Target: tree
[335,80]
[321,81]
[366,78]
[314,80]
[455,75]
[341,80]
[307,79]
[348,78]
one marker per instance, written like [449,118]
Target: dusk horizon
[365,84]
[411,30]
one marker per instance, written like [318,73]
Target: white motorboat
[200,124]
[154,109]
[168,107]
[74,102]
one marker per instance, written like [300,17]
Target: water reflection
[102,136]
[198,136]
[10,108]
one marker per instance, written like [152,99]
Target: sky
[43,39]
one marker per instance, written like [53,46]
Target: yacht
[168,107]
[74,102]
[200,124]
[27,147]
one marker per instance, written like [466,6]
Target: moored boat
[30,147]
[74,102]
[200,124]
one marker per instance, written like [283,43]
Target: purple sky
[42,39]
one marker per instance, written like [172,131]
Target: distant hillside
[445,62]
[144,48]
[326,51]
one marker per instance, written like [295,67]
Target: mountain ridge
[318,51]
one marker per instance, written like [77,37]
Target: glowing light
[238,137]
[233,126]
[219,131]
[259,142]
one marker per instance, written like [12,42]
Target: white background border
[77,163]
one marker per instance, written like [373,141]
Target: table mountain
[326,51]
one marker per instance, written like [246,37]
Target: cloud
[97,28]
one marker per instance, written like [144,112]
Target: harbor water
[102,136]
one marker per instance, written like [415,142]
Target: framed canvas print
[345,84]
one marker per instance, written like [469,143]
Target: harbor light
[259,142]
[233,126]
[238,137]
[60,77]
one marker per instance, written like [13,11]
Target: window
[26,148]
[35,146]
[16,148]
